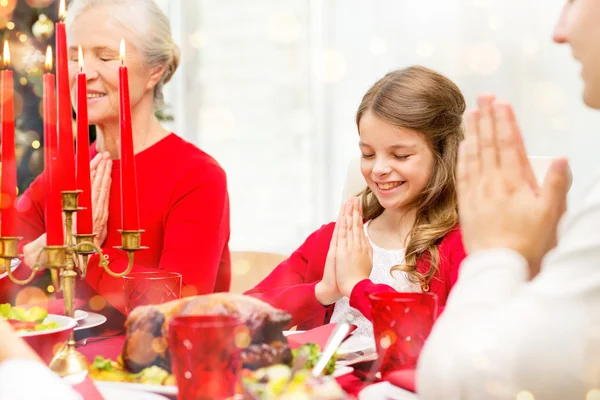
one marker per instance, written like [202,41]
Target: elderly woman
[183,199]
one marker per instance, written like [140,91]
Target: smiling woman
[184,206]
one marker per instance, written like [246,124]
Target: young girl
[404,237]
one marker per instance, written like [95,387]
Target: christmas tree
[28,26]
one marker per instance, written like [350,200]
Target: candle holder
[66,263]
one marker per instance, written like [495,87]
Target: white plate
[357,343]
[385,390]
[80,314]
[120,393]
[137,388]
[354,344]
[341,371]
[91,321]
[14,263]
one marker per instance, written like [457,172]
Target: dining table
[362,376]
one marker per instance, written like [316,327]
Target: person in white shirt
[23,376]
[513,330]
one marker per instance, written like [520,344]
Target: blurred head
[579,26]
[410,126]
[151,54]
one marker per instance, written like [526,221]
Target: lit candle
[53,214]
[8,212]
[66,156]
[130,219]
[84,216]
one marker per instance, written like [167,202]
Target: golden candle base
[85,243]
[69,361]
[9,247]
[61,261]
[69,200]
[130,240]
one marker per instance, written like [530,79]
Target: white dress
[383,261]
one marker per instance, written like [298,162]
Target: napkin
[404,379]
[88,390]
[318,335]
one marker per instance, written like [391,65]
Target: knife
[334,341]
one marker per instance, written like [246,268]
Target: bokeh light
[593,394]
[334,66]
[496,22]
[7,7]
[525,395]
[548,98]
[425,49]
[483,59]
[97,303]
[284,28]
[31,295]
[378,46]
[197,40]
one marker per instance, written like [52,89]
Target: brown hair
[423,100]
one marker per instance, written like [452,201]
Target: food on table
[312,352]
[23,320]
[277,382]
[147,326]
[103,369]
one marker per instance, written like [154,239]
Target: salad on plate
[23,320]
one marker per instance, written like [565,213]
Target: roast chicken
[147,327]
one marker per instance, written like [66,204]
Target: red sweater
[184,210]
[291,286]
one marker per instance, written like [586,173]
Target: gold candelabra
[65,264]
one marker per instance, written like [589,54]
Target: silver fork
[91,339]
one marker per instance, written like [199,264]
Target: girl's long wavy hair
[423,100]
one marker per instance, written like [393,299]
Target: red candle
[66,154]
[53,214]
[84,217]
[8,212]
[130,219]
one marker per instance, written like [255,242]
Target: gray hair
[151,28]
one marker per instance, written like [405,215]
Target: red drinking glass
[143,288]
[401,323]
[205,358]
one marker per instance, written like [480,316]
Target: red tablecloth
[351,383]
[111,348]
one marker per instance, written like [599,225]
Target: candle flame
[48,60]
[80,59]
[122,51]
[62,10]
[6,55]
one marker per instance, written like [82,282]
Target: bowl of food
[45,333]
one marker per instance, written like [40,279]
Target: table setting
[362,369]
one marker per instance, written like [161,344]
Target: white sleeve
[22,379]
[500,335]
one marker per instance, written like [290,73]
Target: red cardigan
[184,210]
[291,285]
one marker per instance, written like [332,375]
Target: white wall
[270,88]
